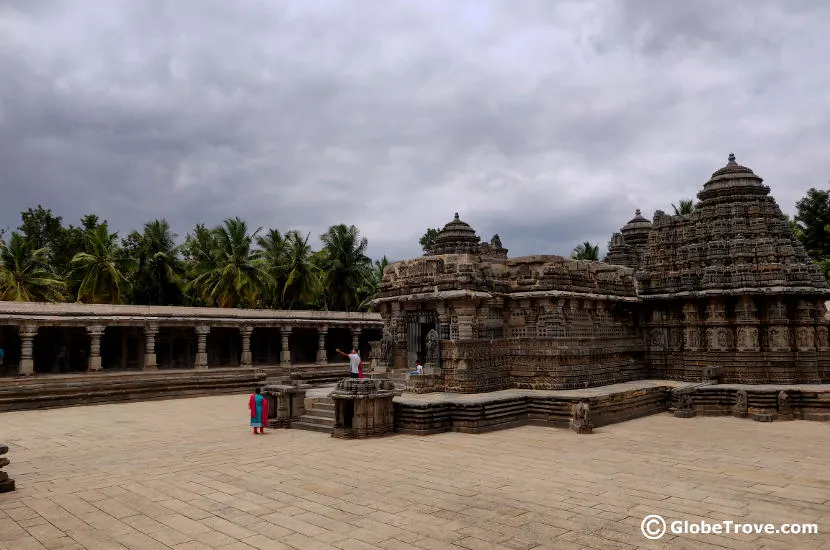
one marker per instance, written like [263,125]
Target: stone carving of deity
[657,338]
[783,403]
[711,338]
[740,408]
[582,413]
[433,347]
[779,338]
[692,339]
[387,348]
[805,338]
[747,338]
[724,338]
[822,337]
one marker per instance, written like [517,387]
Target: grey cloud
[546,122]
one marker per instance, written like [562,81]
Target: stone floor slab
[189,474]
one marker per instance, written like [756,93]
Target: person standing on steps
[259,411]
[354,362]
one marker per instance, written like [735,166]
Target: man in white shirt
[354,362]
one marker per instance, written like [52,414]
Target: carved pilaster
[245,332]
[746,333]
[150,332]
[691,330]
[285,351]
[27,335]
[718,335]
[356,337]
[322,357]
[201,346]
[93,363]
[805,332]
[778,330]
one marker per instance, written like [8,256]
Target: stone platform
[62,390]
[432,413]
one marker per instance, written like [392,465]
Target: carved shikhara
[728,285]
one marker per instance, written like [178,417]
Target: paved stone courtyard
[188,474]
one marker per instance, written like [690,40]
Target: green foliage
[347,268]
[232,273]
[428,239]
[25,275]
[586,251]
[224,266]
[812,218]
[159,272]
[687,206]
[99,274]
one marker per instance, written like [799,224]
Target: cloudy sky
[546,121]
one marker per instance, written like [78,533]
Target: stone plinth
[363,408]
[286,403]
[6,484]
[424,383]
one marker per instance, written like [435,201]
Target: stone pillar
[150,332]
[27,335]
[356,337]
[201,347]
[93,362]
[246,346]
[322,357]
[285,351]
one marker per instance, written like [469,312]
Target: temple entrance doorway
[418,324]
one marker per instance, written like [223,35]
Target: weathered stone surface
[363,408]
[4,462]
[726,294]
[581,419]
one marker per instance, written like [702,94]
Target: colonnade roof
[77,310]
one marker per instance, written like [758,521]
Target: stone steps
[319,417]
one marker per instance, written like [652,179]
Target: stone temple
[726,293]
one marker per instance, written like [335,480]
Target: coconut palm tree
[586,251]
[275,249]
[232,273]
[303,275]
[348,268]
[159,272]
[687,206]
[99,273]
[25,275]
[370,291]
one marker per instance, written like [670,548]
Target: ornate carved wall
[726,286]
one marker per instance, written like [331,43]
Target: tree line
[230,265]
[811,226]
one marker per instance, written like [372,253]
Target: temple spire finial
[456,215]
[732,158]
[637,212]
